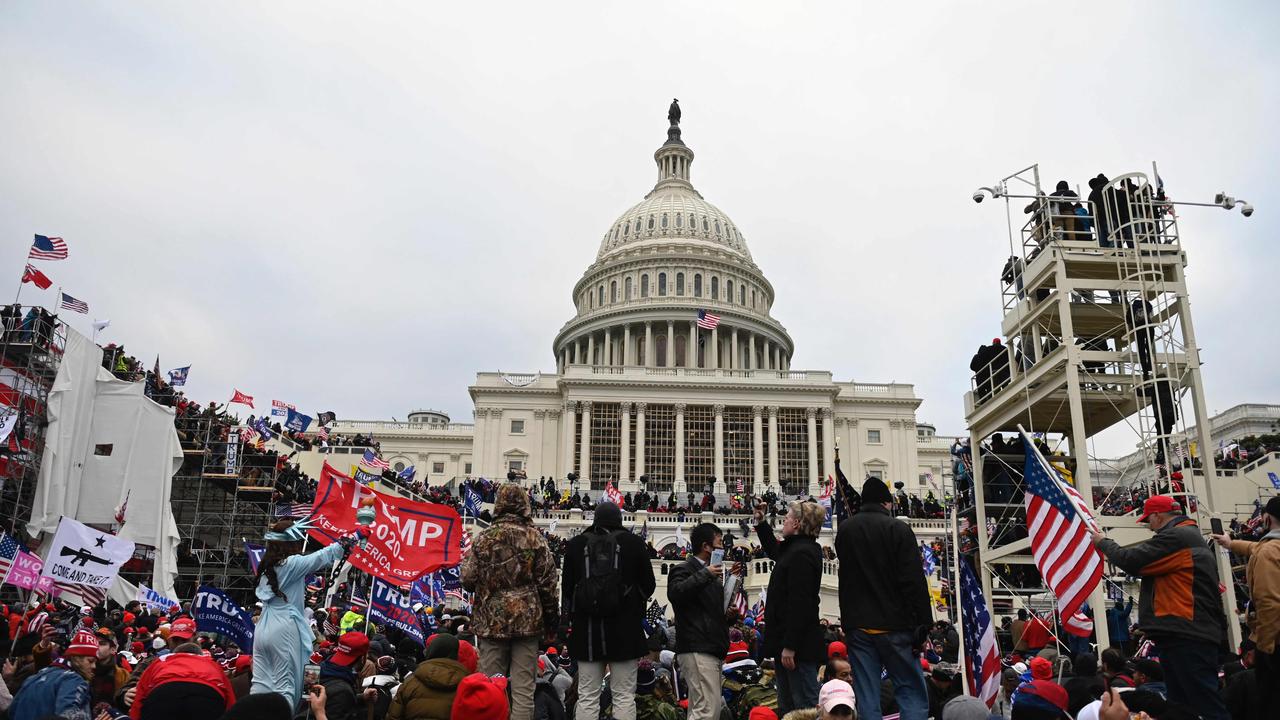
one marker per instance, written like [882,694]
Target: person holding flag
[282,639]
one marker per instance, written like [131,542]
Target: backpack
[600,591]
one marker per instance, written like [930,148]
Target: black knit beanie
[875,491]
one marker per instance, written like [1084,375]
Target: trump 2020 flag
[217,613]
[297,422]
[81,555]
[178,376]
[395,608]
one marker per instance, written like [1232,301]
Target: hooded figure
[428,693]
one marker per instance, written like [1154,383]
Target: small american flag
[466,543]
[36,622]
[982,658]
[372,460]
[47,248]
[82,595]
[292,510]
[707,321]
[323,434]
[9,549]
[75,305]
[1060,529]
[740,602]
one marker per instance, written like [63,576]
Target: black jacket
[697,598]
[882,583]
[620,637]
[791,613]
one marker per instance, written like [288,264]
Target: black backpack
[600,591]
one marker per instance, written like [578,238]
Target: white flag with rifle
[81,555]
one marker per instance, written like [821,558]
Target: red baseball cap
[1158,504]
[183,629]
[837,649]
[351,646]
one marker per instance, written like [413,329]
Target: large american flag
[9,549]
[982,659]
[47,248]
[1060,527]
[707,321]
[372,460]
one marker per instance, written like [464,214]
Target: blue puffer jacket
[54,690]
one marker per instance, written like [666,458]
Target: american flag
[47,248]
[9,549]
[740,602]
[466,543]
[372,460]
[982,659]
[75,305]
[35,622]
[292,510]
[1060,527]
[707,321]
[82,595]
[323,433]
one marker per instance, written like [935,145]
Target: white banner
[85,556]
[153,599]
[233,452]
[280,408]
[7,424]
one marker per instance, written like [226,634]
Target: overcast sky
[358,206]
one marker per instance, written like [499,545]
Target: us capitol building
[641,392]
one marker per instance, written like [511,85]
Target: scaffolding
[1099,334]
[31,346]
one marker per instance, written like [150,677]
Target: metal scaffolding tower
[1099,333]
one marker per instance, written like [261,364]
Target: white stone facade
[640,390]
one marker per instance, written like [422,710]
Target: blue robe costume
[282,640]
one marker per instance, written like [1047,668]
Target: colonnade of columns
[723,348]
[579,461]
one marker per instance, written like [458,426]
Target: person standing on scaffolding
[282,638]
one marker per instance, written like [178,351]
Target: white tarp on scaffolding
[108,445]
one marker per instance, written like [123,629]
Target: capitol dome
[664,261]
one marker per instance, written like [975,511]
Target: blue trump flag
[217,613]
[296,421]
[255,553]
[393,607]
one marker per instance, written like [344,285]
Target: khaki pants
[702,675]
[622,685]
[517,659]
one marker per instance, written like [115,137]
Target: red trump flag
[407,539]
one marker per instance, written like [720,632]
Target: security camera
[993,191]
[1246,209]
[977,196]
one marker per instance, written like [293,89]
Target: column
[671,343]
[566,436]
[577,352]
[713,349]
[768,359]
[773,447]
[751,351]
[680,483]
[535,463]
[624,444]
[718,452]
[494,450]
[777,357]
[639,440]
[691,356]
[650,358]
[735,359]
[626,346]
[828,445]
[584,465]
[757,450]
[549,440]
[606,352]
[478,443]
[591,349]
[810,415]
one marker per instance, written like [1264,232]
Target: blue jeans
[1191,674]
[797,689]
[891,651]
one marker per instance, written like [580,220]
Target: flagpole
[956,593]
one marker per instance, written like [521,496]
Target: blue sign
[1275,480]
[392,607]
[296,421]
[217,613]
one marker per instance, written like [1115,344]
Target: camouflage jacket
[512,573]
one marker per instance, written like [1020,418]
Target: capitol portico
[643,389]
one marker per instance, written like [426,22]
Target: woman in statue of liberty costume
[282,640]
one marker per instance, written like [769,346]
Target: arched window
[680,283]
[640,350]
[742,294]
[664,221]
[697,285]
[717,228]
[613,292]
[753,299]
[662,283]
[626,289]
[693,224]
[704,223]
[660,344]
[728,290]
[681,351]
[626,228]
[715,288]
[591,301]
[615,232]
[644,286]
[650,222]
[600,302]
[679,220]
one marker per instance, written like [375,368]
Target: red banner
[407,540]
